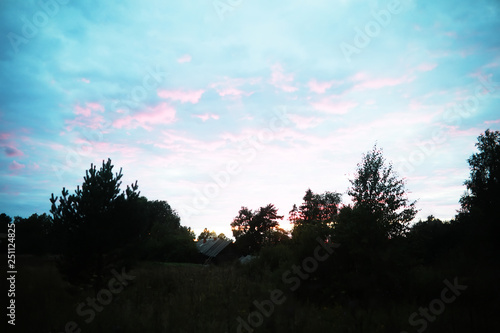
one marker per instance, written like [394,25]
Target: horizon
[250,102]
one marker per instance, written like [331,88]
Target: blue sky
[214,105]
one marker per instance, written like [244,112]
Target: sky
[215,105]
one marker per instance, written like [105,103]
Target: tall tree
[316,208]
[252,229]
[377,189]
[483,186]
[98,226]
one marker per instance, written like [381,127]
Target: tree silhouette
[167,240]
[377,189]
[98,226]
[316,208]
[252,229]
[35,234]
[484,184]
[206,234]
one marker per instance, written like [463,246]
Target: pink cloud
[12,151]
[87,111]
[204,117]
[229,87]
[380,83]
[184,58]
[319,87]
[160,114]
[192,96]
[359,76]
[86,121]
[85,80]
[426,67]
[281,80]
[4,136]
[16,166]
[96,106]
[233,92]
[333,107]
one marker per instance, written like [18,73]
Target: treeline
[382,263]
[379,257]
[100,227]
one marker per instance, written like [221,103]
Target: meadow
[208,298]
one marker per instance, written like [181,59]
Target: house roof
[212,247]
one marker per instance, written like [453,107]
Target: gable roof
[212,247]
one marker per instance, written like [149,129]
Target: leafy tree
[167,240]
[483,186]
[205,234]
[316,208]
[224,237]
[429,239]
[377,189]
[253,229]
[99,225]
[34,234]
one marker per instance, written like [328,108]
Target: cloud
[320,87]
[204,117]
[426,67]
[12,151]
[192,96]
[184,58]
[160,114]
[380,83]
[4,136]
[233,92]
[281,80]
[230,87]
[87,111]
[329,105]
[16,166]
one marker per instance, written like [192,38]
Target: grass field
[195,298]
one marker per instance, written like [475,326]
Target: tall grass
[197,298]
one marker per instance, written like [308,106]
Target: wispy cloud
[281,80]
[204,117]
[16,166]
[320,87]
[160,114]
[184,96]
